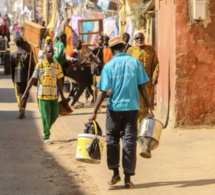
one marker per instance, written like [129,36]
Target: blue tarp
[103,4]
[88,26]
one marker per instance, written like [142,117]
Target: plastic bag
[90,128]
[93,150]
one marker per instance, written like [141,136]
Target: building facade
[186,51]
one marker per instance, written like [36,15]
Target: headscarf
[139,32]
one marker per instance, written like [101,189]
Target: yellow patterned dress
[148,58]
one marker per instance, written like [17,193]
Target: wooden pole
[34,10]
[23,7]
[46,11]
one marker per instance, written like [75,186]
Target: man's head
[43,23]
[78,44]
[139,38]
[106,40]
[100,40]
[126,37]
[56,39]
[6,16]
[62,38]
[19,41]
[49,51]
[116,45]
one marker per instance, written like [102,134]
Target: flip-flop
[129,185]
[114,180]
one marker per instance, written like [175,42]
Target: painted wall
[195,67]
[189,51]
[166,54]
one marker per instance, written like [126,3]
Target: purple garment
[74,26]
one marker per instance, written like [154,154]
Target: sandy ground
[184,162]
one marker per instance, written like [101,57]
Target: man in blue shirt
[124,75]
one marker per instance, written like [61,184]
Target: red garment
[71,54]
[3,26]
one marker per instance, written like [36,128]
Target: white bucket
[84,141]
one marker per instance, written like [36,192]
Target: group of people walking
[130,72]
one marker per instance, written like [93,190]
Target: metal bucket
[149,135]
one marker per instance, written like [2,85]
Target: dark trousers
[121,124]
[19,90]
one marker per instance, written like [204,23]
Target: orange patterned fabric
[107,55]
[69,46]
[148,58]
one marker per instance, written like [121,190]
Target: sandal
[114,180]
[129,185]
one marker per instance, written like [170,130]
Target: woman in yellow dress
[147,56]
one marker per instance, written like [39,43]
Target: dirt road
[184,163]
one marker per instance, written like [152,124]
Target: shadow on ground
[25,166]
[179,184]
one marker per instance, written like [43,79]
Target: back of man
[19,65]
[123,74]
[19,69]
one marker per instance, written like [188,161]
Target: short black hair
[107,37]
[57,39]
[77,41]
[19,41]
[126,35]
[62,35]
[119,47]
[99,36]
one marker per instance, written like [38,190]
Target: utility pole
[34,10]
[46,11]
[23,8]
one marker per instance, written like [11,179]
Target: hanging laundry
[74,26]
[92,14]
[74,2]
[107,4]
[109,25]
[69,47]
[130,30]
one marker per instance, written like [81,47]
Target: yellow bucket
[84,141]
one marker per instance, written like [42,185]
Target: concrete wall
[165,10]
[195,67]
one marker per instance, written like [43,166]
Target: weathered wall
[195,67]
[166,53]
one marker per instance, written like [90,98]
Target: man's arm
[59,84]
[94,58]
[31,82]
[62,59]
[99,100]
[144,94]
